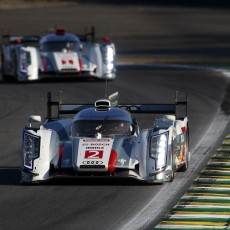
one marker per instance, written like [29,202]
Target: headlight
[110,54]
[31,149]
[158,149]
[25,61]
[110,66]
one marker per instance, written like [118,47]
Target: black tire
[173,168]
[4,76]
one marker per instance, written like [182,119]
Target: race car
[28,58]
[104,139]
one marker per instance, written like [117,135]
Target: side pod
[38,149]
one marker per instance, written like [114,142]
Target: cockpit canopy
[57,43]
[90,122]
[60,47]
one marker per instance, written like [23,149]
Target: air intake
[102,104]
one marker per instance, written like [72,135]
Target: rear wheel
[4,77]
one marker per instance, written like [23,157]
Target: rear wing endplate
[84,37]
[178,108]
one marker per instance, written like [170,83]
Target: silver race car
[28,58]
[103,139]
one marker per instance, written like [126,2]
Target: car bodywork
[28,58]
[103,139]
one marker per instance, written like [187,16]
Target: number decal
[93,154]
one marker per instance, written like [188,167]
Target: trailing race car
[104,140]
[28,58]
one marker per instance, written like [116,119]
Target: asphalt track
[102,203]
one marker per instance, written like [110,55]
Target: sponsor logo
[122,161]
[92,162]
[100,144]
[93,154]
[94,147]
[96,140]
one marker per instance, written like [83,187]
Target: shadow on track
[54,80]
[92,181]
[225,106]
[177,3]
[10,175]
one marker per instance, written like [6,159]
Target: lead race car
[104,139]
[28,58]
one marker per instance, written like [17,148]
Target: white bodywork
[32,69]
[78,152]
[104,139]
[28,63]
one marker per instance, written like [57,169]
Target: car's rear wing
[84,37]
[6,38]
[178,108]
[13,39]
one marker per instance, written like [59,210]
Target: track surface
[98,204]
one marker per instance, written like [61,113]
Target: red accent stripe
[44,64]
[183,129]
[112,161]
[80,64]
[60,31]
[18,41]
[60,158]
[106,39]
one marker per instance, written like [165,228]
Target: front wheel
[172,176]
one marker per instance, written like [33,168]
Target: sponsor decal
[100,144]
[94,147]
[66,162]
[122,161]
[96,140]
[93,154]
[64,62]
[92,162]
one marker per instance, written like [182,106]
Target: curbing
[206,205]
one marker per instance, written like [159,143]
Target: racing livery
[104,139]
[27,58]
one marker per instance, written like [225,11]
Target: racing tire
[4,76]
[173,168]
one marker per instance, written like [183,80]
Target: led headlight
[110,54]
[25,61]
[110,66]
[31,149]
[158,149]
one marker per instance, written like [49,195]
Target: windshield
[60,47]
[89,128]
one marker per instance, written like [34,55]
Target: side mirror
[34,118]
